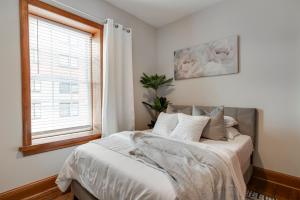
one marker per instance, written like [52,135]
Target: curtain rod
[96,19]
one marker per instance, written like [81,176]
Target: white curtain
[118,99]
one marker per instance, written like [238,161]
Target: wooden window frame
[74,21]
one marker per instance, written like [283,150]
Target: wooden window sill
[58,142]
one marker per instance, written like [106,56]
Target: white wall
[16,170]
[269,78]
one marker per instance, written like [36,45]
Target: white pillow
[189,127]
[231,133]
[165,123]
[229,121]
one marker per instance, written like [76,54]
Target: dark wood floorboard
[67,196]
[280,192]
[262,187]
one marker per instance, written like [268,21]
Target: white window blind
[60,72]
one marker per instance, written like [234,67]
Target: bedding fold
[196,172]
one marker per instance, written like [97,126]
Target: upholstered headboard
[246,117]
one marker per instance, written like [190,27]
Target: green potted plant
[157,103]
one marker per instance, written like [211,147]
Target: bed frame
[247,119]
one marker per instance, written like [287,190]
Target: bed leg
[73,197]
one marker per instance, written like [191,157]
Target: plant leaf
[155,81]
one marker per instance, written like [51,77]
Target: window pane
[36,111]
[35,86]
[74,109]
[74,88]
[64,88]
[63,61]
[74,62]
[64,110]
[60,70]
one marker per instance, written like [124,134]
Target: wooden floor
[67,196]
[280,192]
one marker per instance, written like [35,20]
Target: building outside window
[64,68]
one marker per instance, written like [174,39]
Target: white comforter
[106,170]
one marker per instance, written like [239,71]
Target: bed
[146,179]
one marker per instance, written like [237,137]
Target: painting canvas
[210,59]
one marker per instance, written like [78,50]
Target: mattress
[242,145]
[137,175]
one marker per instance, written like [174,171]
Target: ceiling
[161,12]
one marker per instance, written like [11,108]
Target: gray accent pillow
[215,128]
[179,109]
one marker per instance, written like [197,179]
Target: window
[52,39]
[33,55]
[36,111]
[69,109]
[64,57]
[64,88]
[62,60]
[36,86]
[74,109]
[69,87]
[74,88]
[64,110]
[74,62]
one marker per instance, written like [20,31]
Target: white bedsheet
[242,145]
[145,182]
